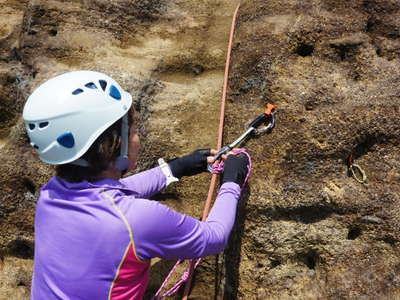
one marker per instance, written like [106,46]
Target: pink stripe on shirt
[132,278]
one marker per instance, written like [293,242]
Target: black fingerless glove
[191,164]
[235,169]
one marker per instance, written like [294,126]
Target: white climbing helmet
[67,113]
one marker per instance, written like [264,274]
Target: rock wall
[309,230]
[305,228]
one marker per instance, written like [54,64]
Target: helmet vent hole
[115,93]
[31,126]
[103,84]
[66,139]
[43,125]
[77,92]
[91,85]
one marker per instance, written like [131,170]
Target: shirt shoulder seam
[127,225]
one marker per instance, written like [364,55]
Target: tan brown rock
[305,229]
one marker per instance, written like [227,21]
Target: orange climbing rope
[187,276]
[213,183]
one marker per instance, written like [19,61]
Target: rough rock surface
[305,229]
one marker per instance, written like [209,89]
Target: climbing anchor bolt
[254,129]
[355,169]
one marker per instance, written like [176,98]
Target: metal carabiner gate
[253,129]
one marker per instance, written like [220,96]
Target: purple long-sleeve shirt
[93,240]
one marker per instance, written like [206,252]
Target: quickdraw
[254,129]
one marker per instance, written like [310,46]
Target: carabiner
[267,128]
[253,129]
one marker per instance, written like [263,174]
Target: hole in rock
[260,265]
[311,259]
[310,105]
[30,186]
[367,143]
[275,263]
[21,283]
[370,25]
[390,240]
[393,35]
[38,12]
[304,50]
[15,54]
[21,248]
[346,51]
[354,233]
[10,79]
[53,32]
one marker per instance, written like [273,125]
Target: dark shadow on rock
[306,214]
[233,252]
[21,248]
[165,196]
[304,49]
[310,258]
[354,232]
[367,142]
[158,273]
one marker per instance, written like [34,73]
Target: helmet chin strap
[122,162]
[80,162]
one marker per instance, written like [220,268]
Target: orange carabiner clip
[269,109]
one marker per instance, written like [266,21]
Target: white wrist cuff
[167,172]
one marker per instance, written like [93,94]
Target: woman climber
[96,232]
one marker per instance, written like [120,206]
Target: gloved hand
[191,164]
[235,169]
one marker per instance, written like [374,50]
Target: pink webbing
[218,166]
[174,289]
